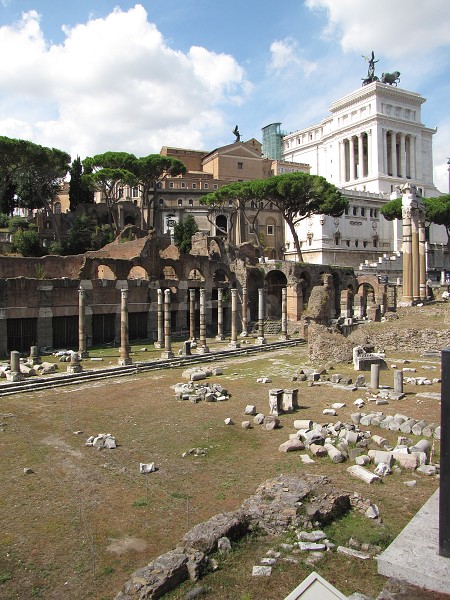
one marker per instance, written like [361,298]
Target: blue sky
[88,77]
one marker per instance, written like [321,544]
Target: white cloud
[392,28]
[441,156]
[112,84]
[285,54]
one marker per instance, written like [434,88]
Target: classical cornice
[377,90]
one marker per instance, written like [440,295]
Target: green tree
[42,180]
[15,157]
[437,211]
[79,191]
[108,173]
[26,242]
[183,232]
[296,195]
[149,171]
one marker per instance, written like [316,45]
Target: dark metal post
[444,486]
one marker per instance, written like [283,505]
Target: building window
[194,186]
[215,186]
[57,208]
[270,230]
[159,185]
[346,210]
[347,242]
[356,243]
[355,211]
[375,212]
[365,244]
[183,184]
[171,184]
[180,202]
[161,202]
[206,186]
[240,166]
[191,202]
[134,192]
[363,212]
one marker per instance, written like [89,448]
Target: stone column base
[260,341]
[13,376]
[284,337]
[232,345]
[158,345]
[243,334]
[220,338]
[74,369]
[124,361]
[202,350]
[167,354]
[84,354]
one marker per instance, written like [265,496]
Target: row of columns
[164,321]
[355,156]
[399,154]
[414,250]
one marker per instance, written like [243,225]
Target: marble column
[422,257]
[407,295]
[352,159]
[82,348]
[284,323]
[261,340]
[393,154]
[402,155]
[342,169]
[202,348]
[159,342]
[192,315]
[167,353]
[233,342]
[124,350]
[415,255]
[369,153]
[14,373]
[244,308]
[360,173]
[219,335]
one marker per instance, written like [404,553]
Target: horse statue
[370,79]
[391,78]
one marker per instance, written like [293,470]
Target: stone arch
[219,276]
[255,280]
[169,273]
[137,272]
[129,220]
[364,299]
[306,286]
[105,272]
[274,282]
[196,275]
[221,223]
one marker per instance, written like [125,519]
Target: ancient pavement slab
[413,555]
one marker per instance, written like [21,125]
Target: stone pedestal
[34,358]
[14,373]
[74,366]
[275,399]
[289,400]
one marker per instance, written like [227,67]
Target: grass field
[85,519]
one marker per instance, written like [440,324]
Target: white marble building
[372,141]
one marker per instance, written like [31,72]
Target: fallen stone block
[258,419]
[306,459]
[310,546]
[363,474]
[145,468]
[291,446]
[429,470]
[335,455]
[353,553]
[311,536]
[261,571]
[270,422]
[303,424]
[318,450]
[250,409]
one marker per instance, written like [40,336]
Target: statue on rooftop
[237,134]
[371,69]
